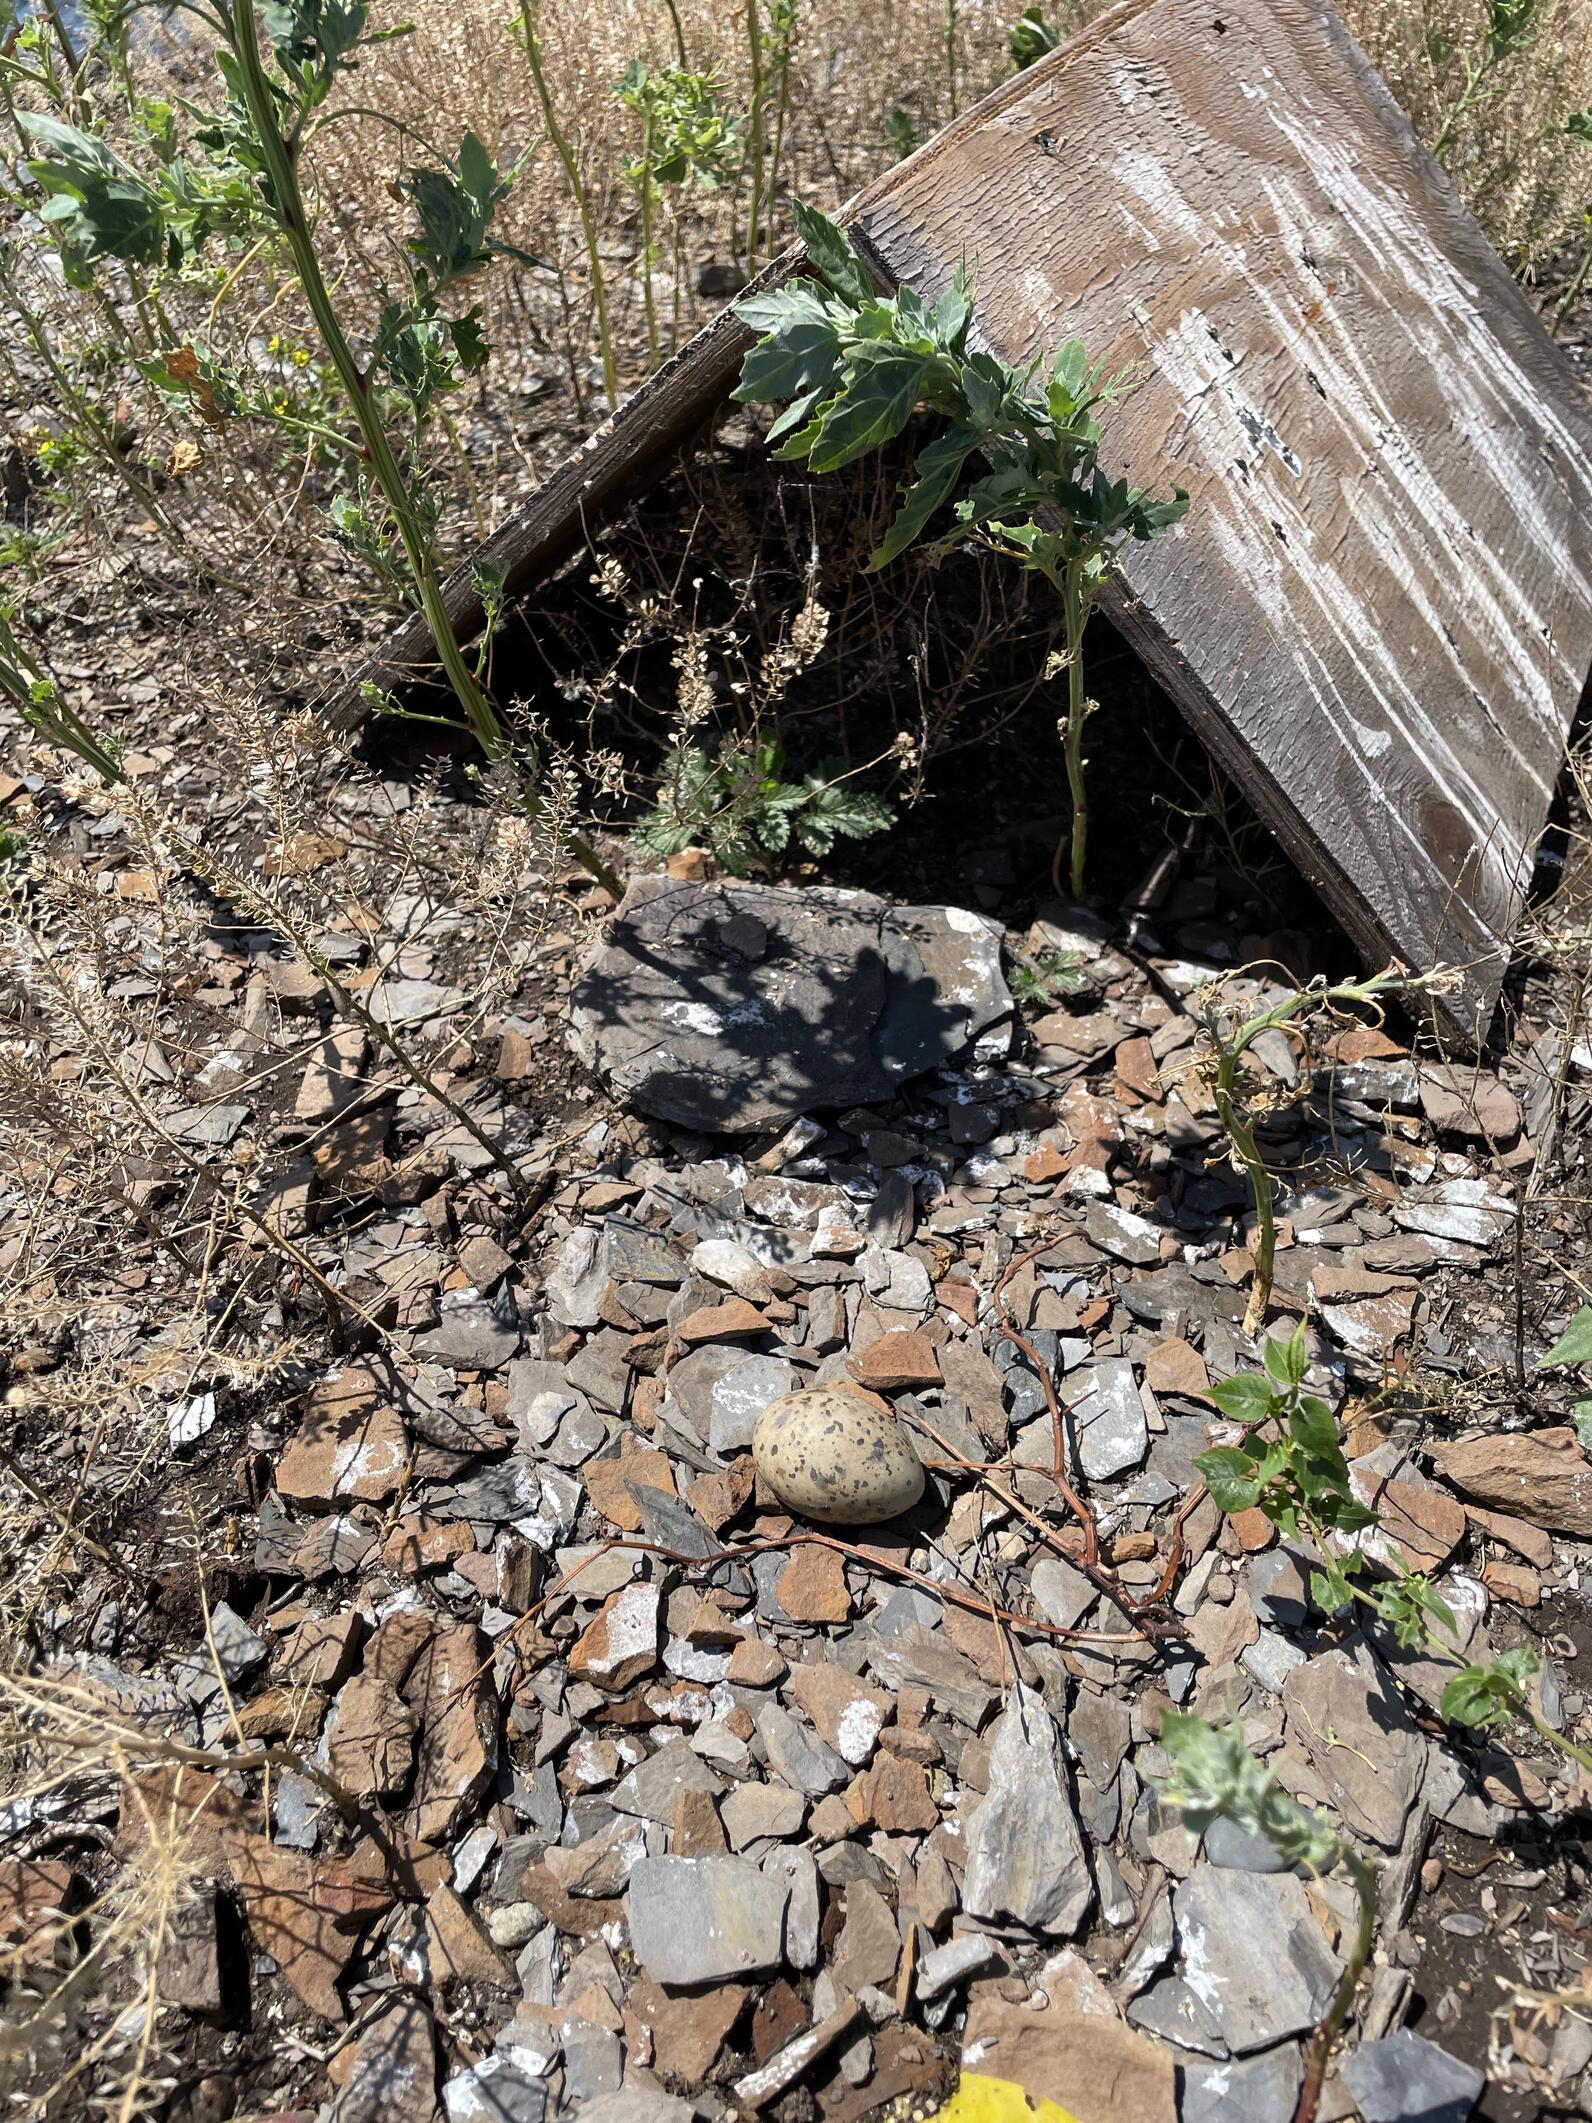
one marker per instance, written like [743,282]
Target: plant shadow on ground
[725,1007]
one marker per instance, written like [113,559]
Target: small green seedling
[1030,38]
[852,367]
[1047,978]
[1216,1777]
[1574,1347]
[1510,28]
[688,136]
[1290,1465]
[740,803]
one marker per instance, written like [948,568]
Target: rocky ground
[664,1798]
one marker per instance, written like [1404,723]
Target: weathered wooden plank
[1378,612]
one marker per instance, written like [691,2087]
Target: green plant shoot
[688,136]
[852,367]
[1030,38]
[244,181]
[1290,1465]
[740,802]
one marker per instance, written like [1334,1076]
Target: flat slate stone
[1259,2089]
[1025,1855]
[1253,1955]
[735,1007]
[704,1920]
[1404,2077]
[1109,1421]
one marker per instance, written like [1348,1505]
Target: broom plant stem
[285,200]
[588,224]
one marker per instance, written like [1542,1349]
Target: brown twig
[1318,2053]
[1148,1615]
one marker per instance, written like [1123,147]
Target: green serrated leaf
[1245,1399]
[1574,1346]
[832,255]
[797,359]
[882,390]
[939,466]
[100,204]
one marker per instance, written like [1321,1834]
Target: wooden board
[1378,612]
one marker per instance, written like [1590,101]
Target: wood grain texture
[1378,611]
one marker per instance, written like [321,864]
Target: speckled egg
[836,1455]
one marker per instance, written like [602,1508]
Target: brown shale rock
[1526,1540]
[897,1362]
[450,1689]
[36,1897]
[1543,1476]
[1095,2068]
[608,1484]
[846,1711]
[457,1947]
[621,1644]
[812,1586]
[370,1739]
[734,1320]
[1422,1522]
[687,2031]
[350,1448]
[893,1795]
[306,1914]
[1516,1582]
[1174,1366]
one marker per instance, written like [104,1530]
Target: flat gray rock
[796,1753]
[1236,1849]
[1178,2013]
[1025,1854]
[739,1397]
[393,2079]
[637,2104]
[1346,1715]
[1253,1955]
[1109,1421]
[1244,2089]
[495,2091]
[911,1655]
[1405,2079]
[735,1007]
[474,1333]
[1061,1594]
[652,1787]
[1119,1232]
[706,1920]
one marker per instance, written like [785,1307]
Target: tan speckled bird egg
[832,1454]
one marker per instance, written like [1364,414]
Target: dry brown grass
[1524,177]
[259,491]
